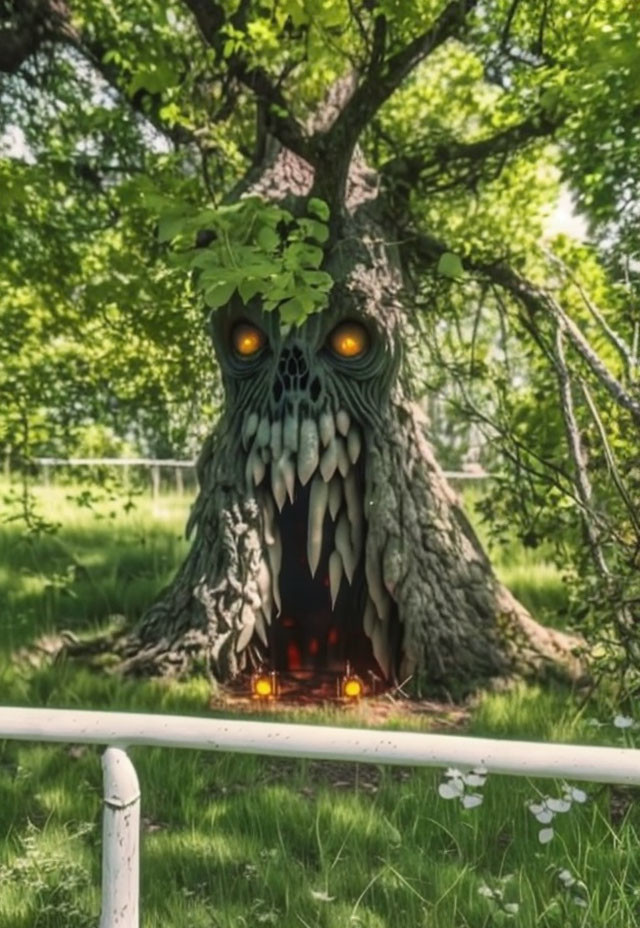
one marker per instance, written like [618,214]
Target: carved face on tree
[302,405]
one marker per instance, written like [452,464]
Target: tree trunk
[329,453]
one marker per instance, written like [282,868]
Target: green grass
[233,840]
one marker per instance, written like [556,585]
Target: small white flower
[623,721]
[579,901]
[536,807]
[485,890]
[321,896]
[578,795]
[544,817]
[512,908]
[566,877]
[453,772]
[452,790]
[474,779]
[545,835]
[471,800]
[559,805]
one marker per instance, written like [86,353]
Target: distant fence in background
[157,467]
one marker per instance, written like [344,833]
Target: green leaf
[249,287]
[292,311]
[268,239]
[219,295]
[170,226]
[311,228]
[450,265]
[319,208]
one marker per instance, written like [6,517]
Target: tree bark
[428,601]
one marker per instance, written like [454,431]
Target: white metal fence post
[120,842]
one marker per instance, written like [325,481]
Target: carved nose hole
[292,373]
[315,389]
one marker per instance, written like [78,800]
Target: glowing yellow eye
[247,339]
[349,340]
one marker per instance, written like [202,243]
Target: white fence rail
[118,730]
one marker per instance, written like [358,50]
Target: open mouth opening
[324,605]
[311,635]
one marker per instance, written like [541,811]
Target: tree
[322,242]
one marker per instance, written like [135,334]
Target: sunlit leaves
[255,249]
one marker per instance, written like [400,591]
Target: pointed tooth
[329,460]
[274,553]
[376,590]
[276,440]
[343,459]
[249,428]
[289,475]
[335,576]
[318,499]
[264,432]
[335,496]
[370,618]
[327,427]
[380,642]
[255,468]
[248,622]
[290,431]
[343,421]
[354,510]
[353,444]
[278,486]
[264,588]
[268,519]
[343,546]
[259,468]
[308,450]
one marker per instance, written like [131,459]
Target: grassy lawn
[240,840]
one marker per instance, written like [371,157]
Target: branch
[408,167]
[385,77]
[618,343]
[537,300]
[574,440]
[210,18]
[611,460]
[30,23]
[36,22]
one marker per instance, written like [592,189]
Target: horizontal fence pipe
[120,842]
[520,758]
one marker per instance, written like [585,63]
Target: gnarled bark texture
[341,440]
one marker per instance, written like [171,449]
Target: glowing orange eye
[349,340]
[247,339]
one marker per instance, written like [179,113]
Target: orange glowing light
[264,685]
[247,339]
[352,687]
[349,340]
